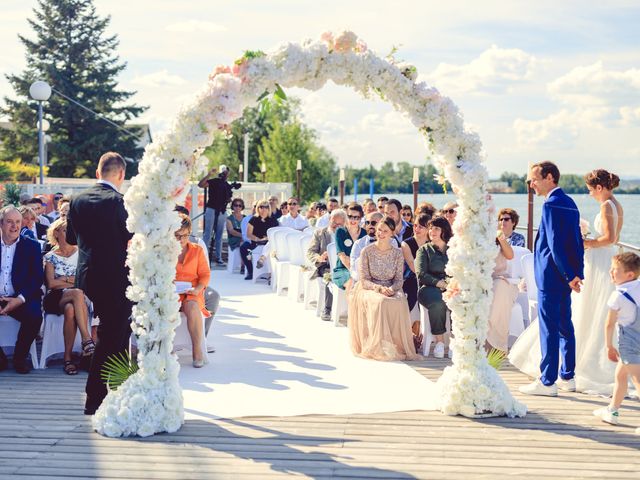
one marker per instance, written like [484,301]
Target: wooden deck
[43,434]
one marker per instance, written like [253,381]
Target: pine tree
[73,53]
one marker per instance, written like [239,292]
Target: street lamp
[40,91]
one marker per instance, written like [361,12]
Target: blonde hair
[629,261]
[24,211]
[53,228]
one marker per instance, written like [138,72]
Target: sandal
[88,347]
[69,368]
[417,341]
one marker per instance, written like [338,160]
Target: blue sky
[545,80]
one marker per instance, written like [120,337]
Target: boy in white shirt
[624,309]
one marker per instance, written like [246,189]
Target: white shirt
[106,182]
[44,220]
[356,250]
[6,285]
[626,310]
[323,221]
[298,223]
[546,197]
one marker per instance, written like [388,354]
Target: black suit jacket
[97,224]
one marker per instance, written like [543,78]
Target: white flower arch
[150,401]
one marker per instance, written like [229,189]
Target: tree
[74,55]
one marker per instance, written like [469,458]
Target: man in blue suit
[21,278]
[558,266]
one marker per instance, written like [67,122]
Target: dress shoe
[90,410]
[567,385]
[539,388]
[326,316]
[21,366]
[249,277]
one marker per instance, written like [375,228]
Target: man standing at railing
[215,216]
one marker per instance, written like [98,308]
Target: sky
[546,80]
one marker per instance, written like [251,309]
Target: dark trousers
[410,288]
[431,297]
[113,338]
[245,248]
[29,315]
[556,337]
[328,299]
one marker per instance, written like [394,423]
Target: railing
[621,245]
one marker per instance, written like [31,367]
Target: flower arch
[150,401]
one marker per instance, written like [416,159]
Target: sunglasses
[406,214]
[237,205]
[292,204]
[263,206]
[505,219]
[354,217]
[451,211]
[180,237]
[57,198]
[373,223]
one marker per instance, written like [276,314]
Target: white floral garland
[150,401]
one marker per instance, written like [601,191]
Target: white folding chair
[277,242]
[516,274]
[286,246]
[182,339]
[297,275]
[265,270]
[425,328]
[532,289]
[53,338]
[339,305]
[9,328]
[234,262]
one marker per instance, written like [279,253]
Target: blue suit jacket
[27,274]
[559,249]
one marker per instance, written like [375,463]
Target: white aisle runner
[274,358]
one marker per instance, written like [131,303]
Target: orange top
[195,269]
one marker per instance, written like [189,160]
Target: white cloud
[190,26]
[494,71]
[158,79]
[630,116]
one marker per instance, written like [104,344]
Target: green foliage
[390,178]
[10,194]
[16,171]
[74,54]
[496,358]
[117,368]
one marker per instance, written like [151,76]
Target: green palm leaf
[117,368]
[496,358]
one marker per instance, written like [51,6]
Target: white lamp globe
[45,125]
[40,91]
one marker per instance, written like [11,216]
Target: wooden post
[416,186]
[342,186]
[263,170]
[530,238]
[298,179]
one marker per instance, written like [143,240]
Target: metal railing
[623,246]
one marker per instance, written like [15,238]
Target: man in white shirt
[323,215]
[371,220]
[37,205]
[293,219]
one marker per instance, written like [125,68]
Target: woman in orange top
[193,267]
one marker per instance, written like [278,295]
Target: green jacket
[430,264]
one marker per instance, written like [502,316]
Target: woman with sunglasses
[193,267]
[379,322]
[449,212]
[508,220]
[257,234]
[409,250]
[345,238]
[407,214]
[234,223]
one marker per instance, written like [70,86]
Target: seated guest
[274,206]
[54,214]
[332,205]
[63,207]
[505,295]
[62,298]
[234,223]
[369,206]
[345,238]
[372,220]
[284,209]
[312,214]
[20,282]
[379,323]
[293,219]
[426,208]
[257,234]
[322,215]
[318,256]
[38,205]
[193,267]
[409,250]
[508,220]
[407,214]
[30,227]
[403,229]
[431,261]
[449,211]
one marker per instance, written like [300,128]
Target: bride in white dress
[594,371]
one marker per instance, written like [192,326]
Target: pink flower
[361,47]
[345,42]
[327,37]
[218,70]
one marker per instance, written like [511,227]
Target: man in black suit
[21,277]
[97,224]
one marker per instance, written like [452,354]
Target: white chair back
[243,227]
[272,232]
[279,245]
[305,241]
[515,264]
[294,249]
[333,256]
[529,277]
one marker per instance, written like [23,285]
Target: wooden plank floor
[43,434]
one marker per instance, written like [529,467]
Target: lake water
[588,207]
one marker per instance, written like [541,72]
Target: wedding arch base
[150,401]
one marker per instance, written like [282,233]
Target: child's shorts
[629,347]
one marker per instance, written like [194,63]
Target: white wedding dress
[594,371]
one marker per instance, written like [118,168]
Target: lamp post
[342,186]
[40,91]
[529,211]
[298,178]
[416,184]
[245,159]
